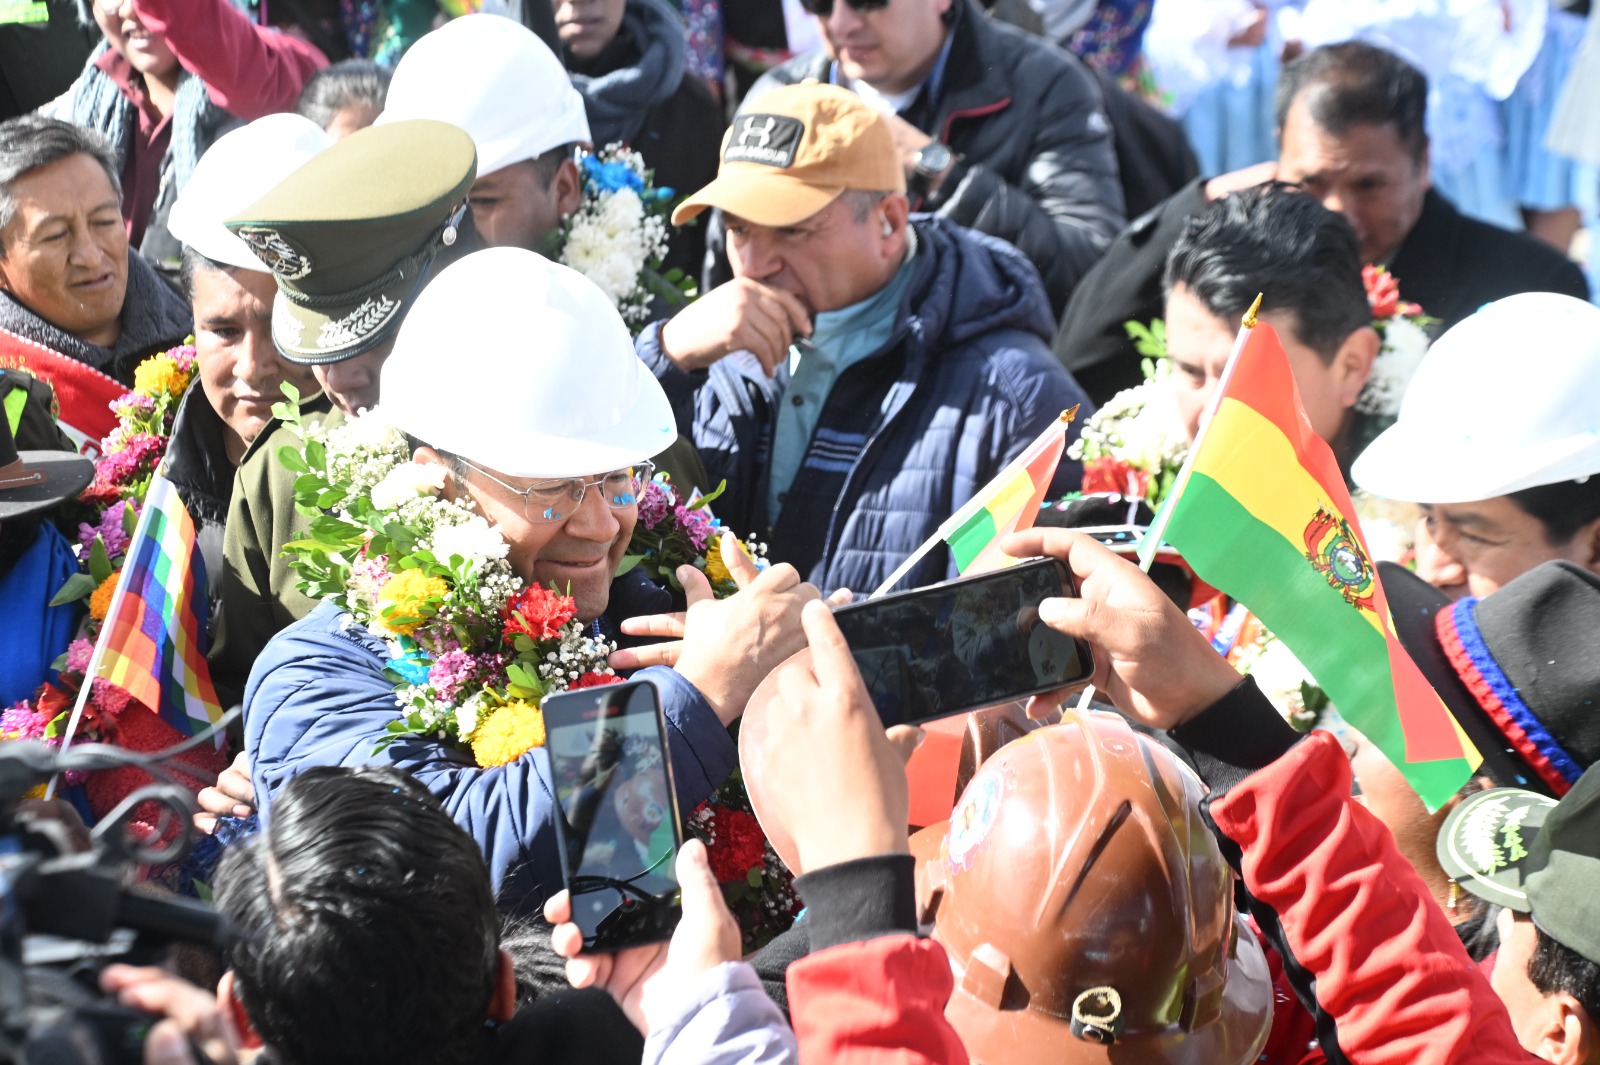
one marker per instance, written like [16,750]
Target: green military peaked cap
[351,234]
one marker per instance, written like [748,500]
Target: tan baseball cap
[794,152]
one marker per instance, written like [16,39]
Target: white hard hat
[524,366]
[1507,399]
[497,80]
[236,171]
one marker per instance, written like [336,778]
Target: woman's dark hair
[1280,242]
[1357,84]
[366,926]
[332,89]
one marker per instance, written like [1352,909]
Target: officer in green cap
[1540,860]
[350,237]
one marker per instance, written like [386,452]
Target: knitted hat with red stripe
[1519,669]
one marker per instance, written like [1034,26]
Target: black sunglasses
[824,8]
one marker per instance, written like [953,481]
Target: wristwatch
[933,160]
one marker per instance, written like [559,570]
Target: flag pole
[119,592]
[1158,528]
[971,506]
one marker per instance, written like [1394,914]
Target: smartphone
[617,820]
[964,644]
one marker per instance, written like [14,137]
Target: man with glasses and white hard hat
[545,422]
[1499,440]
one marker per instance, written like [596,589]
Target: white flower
[1404,345]
[475,541]
[405,482]
[468,714]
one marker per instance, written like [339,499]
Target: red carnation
[1113,475]
[737,846]
[1383,291]
[592,679]
[538,613]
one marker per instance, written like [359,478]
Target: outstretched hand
[643,979]
[1149,659]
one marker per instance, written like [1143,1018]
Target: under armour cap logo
[771,140]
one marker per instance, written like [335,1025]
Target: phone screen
[965,644]
[618,822]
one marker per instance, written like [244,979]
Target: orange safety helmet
[1087,911]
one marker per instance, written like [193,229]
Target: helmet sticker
[974,817]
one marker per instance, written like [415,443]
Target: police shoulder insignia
[1336,553]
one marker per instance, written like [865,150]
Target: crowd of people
[449,348]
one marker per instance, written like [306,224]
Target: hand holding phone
[639,977]
[827,784]
[964,644]
[616,812]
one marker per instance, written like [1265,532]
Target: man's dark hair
[28,142]
[349,83]
[1562,508]
[1277,241]
[1356,84]
[194,263]
[546,163]
[366,923]
[1557,968]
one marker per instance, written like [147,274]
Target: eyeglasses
[824,8]
[552,501]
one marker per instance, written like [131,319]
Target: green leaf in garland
[76,587]
[627,563]
[130,519]
[99,562]
[290,458]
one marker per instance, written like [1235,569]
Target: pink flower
[695,525]
[109,530]
[79,652]
[23,722]
[655,504]
[450,672]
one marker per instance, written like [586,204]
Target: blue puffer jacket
[908,434]
[318,696]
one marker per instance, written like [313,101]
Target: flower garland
[617,237]
[129,458]
[759,888]
[1403,327]
[472,650]
[1135,445]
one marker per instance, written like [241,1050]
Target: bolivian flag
[1007,504]
[1261,512]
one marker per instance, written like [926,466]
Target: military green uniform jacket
[259,597]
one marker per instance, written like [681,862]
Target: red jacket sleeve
[1388,969]
[878,1002]
[249,70]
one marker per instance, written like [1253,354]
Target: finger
[841,597]
[905,739]
[205,823]
[830,654]
[1083,555]
[796,318]
[566,940]
[767,334]
[588,970]
[779,578]
[1071,616]
[1040,707]
[167,1045]
[628,659]
[236,786]
[558,908]
[702,896]
[696,586]
[115,977]
[741,567]
[666,626]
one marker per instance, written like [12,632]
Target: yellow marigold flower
[409,592]
[716,569]
[158,374]
[100,601]
[508,734]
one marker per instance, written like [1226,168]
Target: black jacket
[1037,165]
[1449,264]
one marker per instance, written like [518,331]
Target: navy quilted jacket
[965,382]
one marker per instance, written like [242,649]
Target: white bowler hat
[494,78]
[236,171]
[524,366]
[1507,399]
